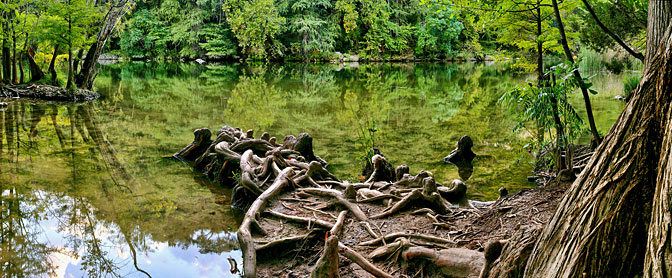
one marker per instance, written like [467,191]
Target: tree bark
[577,75]
[658,259]
[15,78]
[71,73]
[598,228]
[21,73]
[52,67]
[35,71]
[618,40]
[658,20]
[6,62]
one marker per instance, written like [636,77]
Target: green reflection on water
[104,161]
[421,111]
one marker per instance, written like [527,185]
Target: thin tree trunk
[599,227]
[21,74]
[618,40]
[6,62]
[14,75]
[577,75]
[78,59]
[52,67]
[540,66]
[559,131]
[71,73]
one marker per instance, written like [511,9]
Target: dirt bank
[301,221]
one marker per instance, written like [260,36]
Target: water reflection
[86,190]
[71,208]
[419,109]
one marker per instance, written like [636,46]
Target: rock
[621,98]
[352,58]
[200,61]
[108,57]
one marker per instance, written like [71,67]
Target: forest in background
[372,29]
[375,30]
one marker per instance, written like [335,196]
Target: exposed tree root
[244,233]
[259,170]
[356,211]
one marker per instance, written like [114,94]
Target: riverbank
[299,217]
[46,92]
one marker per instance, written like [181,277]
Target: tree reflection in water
[83,215]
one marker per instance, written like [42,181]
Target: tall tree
[116,9]
[256,25]
[624,191]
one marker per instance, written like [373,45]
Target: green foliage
[535,104]
[143,36]
[256,23]
[312,33]
[612,61]
[626,18]
[437,33]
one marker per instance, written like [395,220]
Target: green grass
[611,60]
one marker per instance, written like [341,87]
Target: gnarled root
[425,197]
[244,233]
[362,262]
[356,211]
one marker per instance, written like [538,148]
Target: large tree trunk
[599,228]
[658,20]
[577,75]
[118,9]
[658,260]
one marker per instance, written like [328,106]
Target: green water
[86,190]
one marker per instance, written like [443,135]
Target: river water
[88,190]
